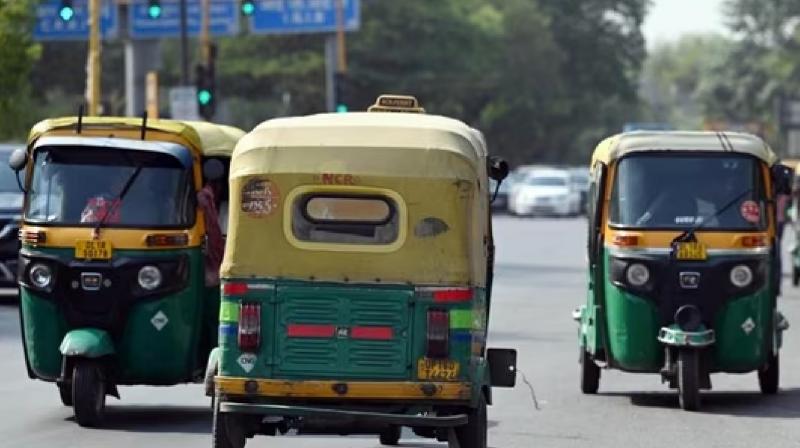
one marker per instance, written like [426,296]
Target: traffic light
[341,92]
[154,9]
[248,7]
[206,86]
[66,11]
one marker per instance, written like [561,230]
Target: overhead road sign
[50,26]
[302,16]
[224,19]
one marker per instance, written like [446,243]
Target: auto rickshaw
[682,252]
[357,279]
[112,278]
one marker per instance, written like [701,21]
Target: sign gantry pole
[93,64]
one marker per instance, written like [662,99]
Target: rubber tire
[590,374]
[390,436]
[474,433]
[65,392]
[769,376]
[224,431]
[88,393]
[795,276]
[689,380]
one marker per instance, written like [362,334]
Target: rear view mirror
[782,177]
[18,160]
[498,168]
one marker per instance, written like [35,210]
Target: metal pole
[184,46]
[93,64]
[330,69]
[205,37]
[340,38]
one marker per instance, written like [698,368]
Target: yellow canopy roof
[207,138]
[620,145]
[364,143]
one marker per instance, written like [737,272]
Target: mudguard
[87,343]
[211,371]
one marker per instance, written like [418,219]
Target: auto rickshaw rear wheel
[689,379]
[65,392]
[391,435]
[590,373]
[88,393]
[769,375]
[226,429]
[473,434]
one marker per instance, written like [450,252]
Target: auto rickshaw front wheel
[769,375]
[474,433]
[226,429]
[88,393]
[689,379]
[590,373]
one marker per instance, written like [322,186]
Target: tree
[18,54]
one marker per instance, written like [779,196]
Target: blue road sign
[49,25]
[224,16]
[302,16]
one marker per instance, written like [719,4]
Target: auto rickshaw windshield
[671,191]
[80,186]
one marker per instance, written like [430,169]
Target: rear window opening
[345,219]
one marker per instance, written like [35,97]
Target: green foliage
[17,54]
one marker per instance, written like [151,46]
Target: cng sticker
[159,320]
[247,361]
[748,326]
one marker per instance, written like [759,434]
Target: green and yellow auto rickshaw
[682,260]
[112,270]
[357,279]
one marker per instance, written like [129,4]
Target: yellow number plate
[437,369]
[93,250]
[691,251]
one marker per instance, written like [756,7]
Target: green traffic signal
[66,12]
[341,108]
[204,97]
[248,7]
[154,9]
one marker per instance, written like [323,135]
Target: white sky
[669,19]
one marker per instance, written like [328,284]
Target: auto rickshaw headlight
[149,277]
[637,274]
[741,276]
[40,275]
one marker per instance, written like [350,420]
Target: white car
[545,192]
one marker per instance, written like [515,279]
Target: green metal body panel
[87,343]
[626,327]
[341,357]
[145,354]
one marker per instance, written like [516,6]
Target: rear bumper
[356,390]
[344,415]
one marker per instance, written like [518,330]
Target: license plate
[437,369]
[691,251]
[93,250]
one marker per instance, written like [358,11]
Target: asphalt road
[540,280]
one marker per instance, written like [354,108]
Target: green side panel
[343,357]
[44,328]
[590,332]
[87,343]
[738,349]
[632,329]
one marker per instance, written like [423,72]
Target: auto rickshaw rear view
[357,279]
[683,260]
[114,284]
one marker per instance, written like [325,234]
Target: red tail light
[249,327]
[452,295]
[438,337]
[234,289]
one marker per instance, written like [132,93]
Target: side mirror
[782,177]
[213,169]
[498,168]
[18,160]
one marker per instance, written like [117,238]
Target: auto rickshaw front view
[682,252]
[113,284]
[357,279]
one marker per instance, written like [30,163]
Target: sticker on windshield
[260,198]
[751,212]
